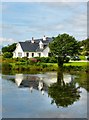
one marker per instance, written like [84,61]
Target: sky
[23,20]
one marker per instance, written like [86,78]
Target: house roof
[28,46]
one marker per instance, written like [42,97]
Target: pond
[42,96]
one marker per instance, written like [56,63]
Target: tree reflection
[63,94]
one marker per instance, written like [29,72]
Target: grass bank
[24,66]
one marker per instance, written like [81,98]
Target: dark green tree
[9,48]
[62,46]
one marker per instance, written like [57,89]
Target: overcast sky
[24,20]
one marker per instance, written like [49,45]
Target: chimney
[44,38]
[32,41]
[41,45]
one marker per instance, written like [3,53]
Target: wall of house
[18,50]
[45,52]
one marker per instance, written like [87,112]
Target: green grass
[70,63]
[76,64]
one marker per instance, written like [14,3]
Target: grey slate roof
[27,46]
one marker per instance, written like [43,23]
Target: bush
[46,59]
[53,60]
[33,60]
[7,55]
[67,59]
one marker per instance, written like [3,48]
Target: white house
[33,48]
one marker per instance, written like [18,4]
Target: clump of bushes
[7,55]
[47,59]
[66,59]
[33,60]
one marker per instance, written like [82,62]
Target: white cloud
[4,41]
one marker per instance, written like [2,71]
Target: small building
[33,48]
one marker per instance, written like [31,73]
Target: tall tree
[63,45]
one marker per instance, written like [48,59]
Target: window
[19,54]
[39,54]
[27,54]
[32,54]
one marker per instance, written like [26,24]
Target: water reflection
[33,93]
[62,90]
[63,93]
[31,81]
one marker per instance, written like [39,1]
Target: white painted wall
[45,52]
[17,50]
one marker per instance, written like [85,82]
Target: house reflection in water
[31,81]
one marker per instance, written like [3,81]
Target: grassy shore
[20,66]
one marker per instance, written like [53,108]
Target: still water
[41,96]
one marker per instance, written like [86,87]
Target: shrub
[7,55]
[33,60]
[67,59]
[46,59]
[53,60]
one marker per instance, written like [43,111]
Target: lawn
[71,63]
[76,64]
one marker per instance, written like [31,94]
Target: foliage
[46,59]
[63,45]
[9,48]
[7,55]
[33,60]
[66,59]
[53,59]
[84,47]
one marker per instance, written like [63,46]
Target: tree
[9,48]
[62,46]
